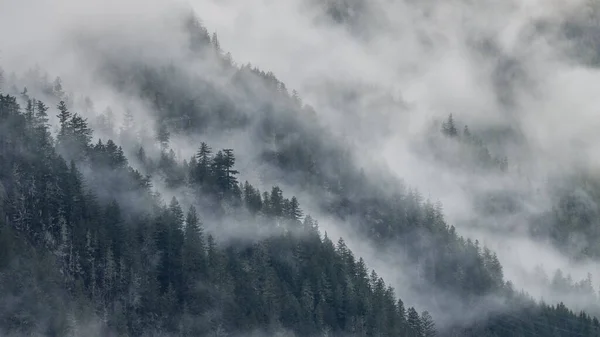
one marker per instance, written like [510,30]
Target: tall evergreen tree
[427,325]
[64,116]
[449,127]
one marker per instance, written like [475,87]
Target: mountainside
[119,216]
[156,271]
[113,270]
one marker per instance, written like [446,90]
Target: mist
[489,64]
[430,56]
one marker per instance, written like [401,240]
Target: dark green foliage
[157,270]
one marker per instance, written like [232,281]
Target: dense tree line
[159,271]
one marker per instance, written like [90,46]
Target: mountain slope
[137,265]
[157,272]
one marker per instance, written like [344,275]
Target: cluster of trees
[472,152]
[158,271]
[571,223]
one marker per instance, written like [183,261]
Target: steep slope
[548,198]
[157,273]
[300,153]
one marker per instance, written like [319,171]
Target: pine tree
[194,261]
[64,116]
[295,213]
[449,127]
[427,324]
[41,114]
[215,43]
[81,132]
[414,323]
[202,171]
[276,201]
[176,212]
[401,320]
[230,173]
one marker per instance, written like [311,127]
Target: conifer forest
[339,168]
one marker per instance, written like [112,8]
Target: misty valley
[299,168]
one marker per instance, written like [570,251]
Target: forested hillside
[91,248]
[570,221]
[162,203]
[77,264]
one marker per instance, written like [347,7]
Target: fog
[427,54]
[487,62]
